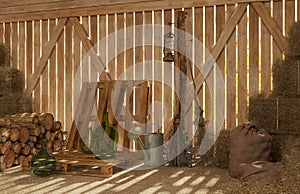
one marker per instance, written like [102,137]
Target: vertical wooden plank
[15,42]
[60,78]
[7,35]
[220,25]
[199,48]
[231,75]
[265,59]
[277,14]
[289,15]
[21,46]
[298,11]
[102,35]
[129,73]
[242,70]
[37,44]
[94,40]
[45,76]
[1,32]
[253,55]
[29,49]
[111,63]
[86,66]
[69,77]
[120,66]
[52,69]
[209,43]
[167,75]
[157,117]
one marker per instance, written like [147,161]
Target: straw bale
[11,81]
[14,103]
[286,78]
[218,155]
[4,55]
[275,113]
[294,40]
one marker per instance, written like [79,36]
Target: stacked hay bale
[279,112]
[11,87]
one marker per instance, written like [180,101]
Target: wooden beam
[271,25]
[227,32]
[224,37]
[88,45]
[34,78]
[71,8]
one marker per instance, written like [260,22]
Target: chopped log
[16,147]
[24,118]
[30,144]
[46,120]
[48,135]
[26,150]
[17,161]
[57,126]
[2,166]
[34,151]
[4,122]
[53,136]
[60,136]
[24,135]
[5,131]
[49,145]
[43,129]
[3,139]
[9,158]
[14,134]
[5,147]
[35,131]
[33,139]
[21,158]
[57,145]
[38,145]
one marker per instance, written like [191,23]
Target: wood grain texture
[242,70]
[15,44]
[277,15]
[265,60]
[52,73]
[231,75]
[253,52]
[21,62]
[45,77]
[46,53]
[264,12]
[48,10]
[37,53]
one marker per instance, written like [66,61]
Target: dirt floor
[164,180]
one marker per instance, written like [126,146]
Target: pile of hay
[294,40]
[4,55]
[14,103]
[275,113]
[11,81]
[218,155]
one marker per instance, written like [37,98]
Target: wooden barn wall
[245,62]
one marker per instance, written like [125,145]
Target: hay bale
[294,40]
[286,78]
[275,113]
[4,55]
[14,103]
[218,155]
[11,81]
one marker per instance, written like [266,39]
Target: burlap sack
[248,143]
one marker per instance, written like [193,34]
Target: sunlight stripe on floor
[212,182]
[133,181]
[182,181]
[197,181]
[185,190]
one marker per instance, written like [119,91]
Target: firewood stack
[21,135]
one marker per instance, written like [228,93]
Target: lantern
[169,41]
